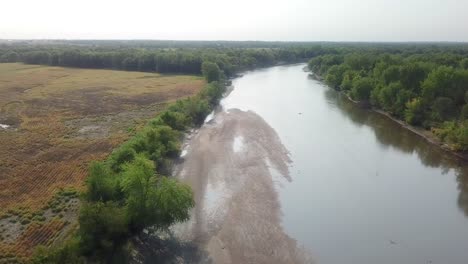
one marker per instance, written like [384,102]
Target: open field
[53,122]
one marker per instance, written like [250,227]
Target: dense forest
[425,86]
[158,58]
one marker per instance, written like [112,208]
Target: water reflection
[390,134]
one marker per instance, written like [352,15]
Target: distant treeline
[187,61]
[187,56]
[426,87]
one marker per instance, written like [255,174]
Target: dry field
[53,122]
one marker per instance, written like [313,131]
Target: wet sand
[231,164]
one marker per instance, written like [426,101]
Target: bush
[213,92]
[175,120]
[120,156]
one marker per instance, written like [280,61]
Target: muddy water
[362,189]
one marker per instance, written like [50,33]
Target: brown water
[363,189]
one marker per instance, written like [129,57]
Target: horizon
[247,40]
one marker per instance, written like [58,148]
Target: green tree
[464,112]
[152,200]
[211,71]
[362,88]
[334,76]
[464,64]
[101,185]
[414,113]
[121,156]
[443,108]
[347,82]
[103,229]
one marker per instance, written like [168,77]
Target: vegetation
[61,120]
[159,56]
[127,193]
[426,86]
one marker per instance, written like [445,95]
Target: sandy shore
[230,164]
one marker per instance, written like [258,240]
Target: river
[359,188]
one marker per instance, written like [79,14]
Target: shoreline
[428,136]
[425,134]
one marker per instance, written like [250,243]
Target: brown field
[59,120]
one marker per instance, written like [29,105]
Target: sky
[269,20]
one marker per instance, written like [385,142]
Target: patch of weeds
[25,221]
[39,218]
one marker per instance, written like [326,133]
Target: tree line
[426,87]
[181,60]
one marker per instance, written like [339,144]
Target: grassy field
[53,122]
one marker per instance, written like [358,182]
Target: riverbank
[425,134]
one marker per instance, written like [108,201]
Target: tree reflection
[390,134]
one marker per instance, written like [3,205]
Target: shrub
[120,156]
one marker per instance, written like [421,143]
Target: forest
[161,57]
[425,86]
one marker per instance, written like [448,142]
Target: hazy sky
[288,20]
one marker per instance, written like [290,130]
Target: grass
[61,119]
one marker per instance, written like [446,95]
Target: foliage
[421,84]
[211,60]
[66,253]
[414,113]
[362,88]
[126,194]
[211,71]
[103,228]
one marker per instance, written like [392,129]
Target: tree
[362,88]
[120,156]
[443,108]
[347,82]
[414,113]
[103,229]
[438,82]
[393,98]
[464,112]
[334,76]
[154,200]
[464,64]
[100,183]
[412,74]
[211,71]
[10,56]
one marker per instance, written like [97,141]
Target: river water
[363,189]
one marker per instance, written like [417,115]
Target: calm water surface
[364,190]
